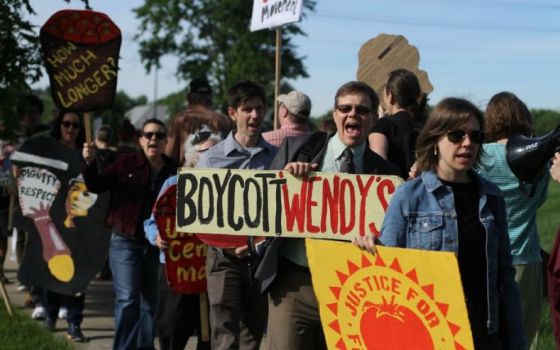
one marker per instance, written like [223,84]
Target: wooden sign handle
[87,125]
[204,322]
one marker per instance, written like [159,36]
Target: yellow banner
[396,299]
[275,203]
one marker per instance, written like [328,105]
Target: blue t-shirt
[520,208]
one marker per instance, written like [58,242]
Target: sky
[469,48]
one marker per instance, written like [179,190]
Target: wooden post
[6,298]
[277,74]
[204,322]
[87,126]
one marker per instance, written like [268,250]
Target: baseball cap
[200,86]
[297,103]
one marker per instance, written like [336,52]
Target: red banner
[185,257]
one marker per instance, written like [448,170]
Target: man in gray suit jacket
[293,321]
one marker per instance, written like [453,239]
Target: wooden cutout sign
[385,53]
[81,54]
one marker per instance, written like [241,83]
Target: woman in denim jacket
[450,208]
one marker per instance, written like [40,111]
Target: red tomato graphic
[392,326]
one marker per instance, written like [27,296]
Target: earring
[435,151]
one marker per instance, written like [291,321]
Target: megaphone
[527,156]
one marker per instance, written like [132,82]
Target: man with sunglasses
[293,321]
[237,310]
[134,179]
[294,110]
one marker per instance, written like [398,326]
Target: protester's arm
[96,181]
[379,144]
[555,168]
[152,233]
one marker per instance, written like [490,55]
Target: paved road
[98,314]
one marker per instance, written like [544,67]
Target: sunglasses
[68,124]
[201,136]
[360,109]
[456,136]
[158,134]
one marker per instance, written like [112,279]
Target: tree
[546,120]
[212,39]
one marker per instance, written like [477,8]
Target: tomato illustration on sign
[398,320]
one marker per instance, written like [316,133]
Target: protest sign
[185,257]
[385,53]
[274,13]
[275,203]
[395,299]
[67,239]
[81,52]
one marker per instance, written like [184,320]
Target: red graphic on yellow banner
[396,299]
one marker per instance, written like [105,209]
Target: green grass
[20,332]
[548,220]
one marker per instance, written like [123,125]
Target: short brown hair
[506,115]
[358,87]
[448,114]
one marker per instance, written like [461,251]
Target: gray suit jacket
[309,148]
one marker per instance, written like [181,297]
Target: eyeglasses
[456,136]
[149,134]
[201,136]
[68,124]
[360,109]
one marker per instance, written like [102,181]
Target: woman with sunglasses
[450,208]
[393,137]
[506,115]
[67,128]
[134,180]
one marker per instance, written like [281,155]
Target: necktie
[347,162]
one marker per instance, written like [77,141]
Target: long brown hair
[506,115]
[450,113]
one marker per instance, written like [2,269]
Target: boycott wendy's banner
[185,257]
[396,299]
[81,52]
[275,203]
[67,241]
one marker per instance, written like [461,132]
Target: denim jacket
[421,215]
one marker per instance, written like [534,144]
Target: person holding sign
[178,315]
[451,208]
[134,179]
[237,310]
[69,130]
[293,321]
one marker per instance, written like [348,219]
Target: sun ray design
[387,307]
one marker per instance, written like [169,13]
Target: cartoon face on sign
[78,201]
[37,189]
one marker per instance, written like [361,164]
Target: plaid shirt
[275,137]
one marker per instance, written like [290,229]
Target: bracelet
[43,218]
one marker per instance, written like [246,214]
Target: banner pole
[204,322]
[87,125]
[277,74]
[6,298]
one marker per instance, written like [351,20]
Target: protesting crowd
[459,196]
